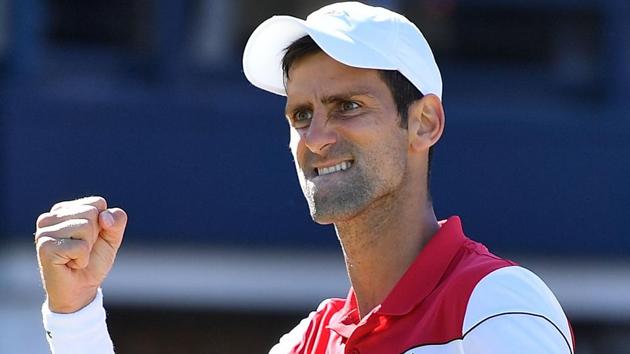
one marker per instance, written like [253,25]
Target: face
[349,149]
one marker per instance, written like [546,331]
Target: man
[364,108]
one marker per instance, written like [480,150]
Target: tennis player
[364,106]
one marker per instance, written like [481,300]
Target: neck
[381,242]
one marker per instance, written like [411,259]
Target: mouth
[342,166]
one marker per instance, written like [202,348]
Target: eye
[302,118]
[347,106]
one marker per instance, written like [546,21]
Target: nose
[319,136]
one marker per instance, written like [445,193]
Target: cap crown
[352,33]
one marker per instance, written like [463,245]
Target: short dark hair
[402,90]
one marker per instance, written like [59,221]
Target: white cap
[352,33]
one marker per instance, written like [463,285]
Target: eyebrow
[345,96]
[328,99]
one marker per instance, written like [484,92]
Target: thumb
[113,222]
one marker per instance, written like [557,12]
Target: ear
[425,123]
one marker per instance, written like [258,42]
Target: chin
[322,221]
[327,217]
[338,205]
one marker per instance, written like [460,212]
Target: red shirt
[426,309]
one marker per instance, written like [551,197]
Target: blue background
[533,164]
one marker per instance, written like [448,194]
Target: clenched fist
[76,245]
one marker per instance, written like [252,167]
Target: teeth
[338,167]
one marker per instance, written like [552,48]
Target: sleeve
[291,340]
[82,332]
[511,310]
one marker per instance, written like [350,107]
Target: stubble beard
[359,187]
[340,202]
[357,190]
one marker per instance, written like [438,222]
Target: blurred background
[144,102]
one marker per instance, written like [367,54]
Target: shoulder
[469,267]
[512,305]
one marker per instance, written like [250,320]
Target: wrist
[76,304]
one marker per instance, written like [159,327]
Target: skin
[380,205]
[76,243]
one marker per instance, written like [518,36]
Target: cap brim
[262,58]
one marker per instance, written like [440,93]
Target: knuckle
[39,233]
[83,223]
[98,202]
[92,213]
[58,205]
[43,219]
[79,228]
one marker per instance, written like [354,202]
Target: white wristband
[81,332]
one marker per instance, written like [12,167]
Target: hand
[77,242]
